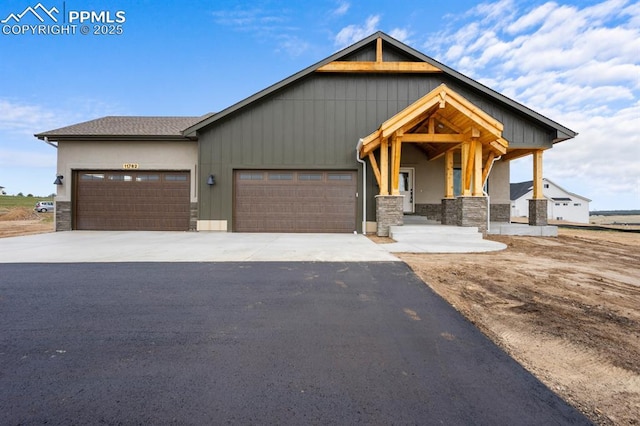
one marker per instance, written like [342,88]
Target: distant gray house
[561,204]
[352,143]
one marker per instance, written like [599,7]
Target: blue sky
[577,62]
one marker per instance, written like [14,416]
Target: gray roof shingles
[519,189]
[126,126]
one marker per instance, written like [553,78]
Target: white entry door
[406,189]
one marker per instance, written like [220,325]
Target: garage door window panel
[281,176]
[148,178]
[251,176]
[175,178]
[310,177]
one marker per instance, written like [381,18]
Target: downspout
[486,194]
[364,187]
[46,140]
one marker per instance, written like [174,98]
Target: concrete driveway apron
[142,246]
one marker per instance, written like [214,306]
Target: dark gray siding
[389,54]
[316,123]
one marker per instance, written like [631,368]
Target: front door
[406,189]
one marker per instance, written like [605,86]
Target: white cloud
[534,18]
[401,34]
[343,7]
[292,45]
[24,118]
[353,33]
[29,164]
[248,19]
[576,65]
[265,24]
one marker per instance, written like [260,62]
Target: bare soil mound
[16,221]
[18,213]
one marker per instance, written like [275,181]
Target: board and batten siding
[316,122]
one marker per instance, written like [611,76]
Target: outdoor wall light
[211,180]
[58,180]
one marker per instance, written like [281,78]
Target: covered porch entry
[440,124]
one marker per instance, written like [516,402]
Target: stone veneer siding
[500,212]
[388,213]
[449,211]
[63,215]
[430,211]
[472,211]
[538,213]
[193,217]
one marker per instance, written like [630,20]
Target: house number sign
[128,166]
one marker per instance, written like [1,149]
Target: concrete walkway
[143,246]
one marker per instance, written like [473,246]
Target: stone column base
[472,211]
[63,216]
[538,213]
[388,212]
[193,216]
[500,212]
[449,215]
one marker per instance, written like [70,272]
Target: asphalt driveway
[250,343]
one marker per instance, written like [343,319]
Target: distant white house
[2,191]
[562,204]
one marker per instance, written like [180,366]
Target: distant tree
[30,195]
[20,194]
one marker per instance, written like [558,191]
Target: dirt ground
[23,221]
[567,308]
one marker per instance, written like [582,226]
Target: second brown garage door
[132,200]
[295,201]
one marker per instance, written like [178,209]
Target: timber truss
[441,123]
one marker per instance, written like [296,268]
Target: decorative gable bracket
[379,66]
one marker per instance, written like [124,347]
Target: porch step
[439,239]
[434,232]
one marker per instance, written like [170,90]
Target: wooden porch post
[477,170]
[396,150]
[537,175]
[464,168]
[538,214]
[470,147]
[384,167]
[448,174]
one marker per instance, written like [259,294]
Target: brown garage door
[131,200]
[295,201]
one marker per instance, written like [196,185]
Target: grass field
[9,201]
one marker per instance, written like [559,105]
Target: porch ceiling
[438,122]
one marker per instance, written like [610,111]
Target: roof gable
[520,189]
[450,107]
[364,50]
[565,191]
